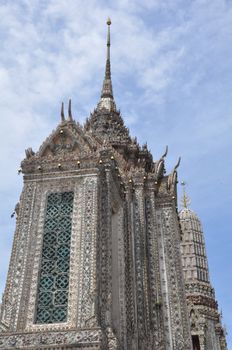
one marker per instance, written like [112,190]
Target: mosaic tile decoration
[52,298]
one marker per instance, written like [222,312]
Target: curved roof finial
[177,164]
[185,200]
[70,110]
[165,153]
[62,112]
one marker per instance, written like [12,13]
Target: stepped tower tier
[206,329]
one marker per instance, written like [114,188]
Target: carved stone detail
[155,295]
[139,266]
[75,256]
[60,339]
[87,277]
[111,339]
[175,310]
[18,262]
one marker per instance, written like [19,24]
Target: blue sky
[172,79]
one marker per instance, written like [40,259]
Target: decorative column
[140,265]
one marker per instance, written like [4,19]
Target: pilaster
[140,266]
[176,324]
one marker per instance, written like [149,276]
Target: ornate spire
[106,121]
[107,99]
[185,200]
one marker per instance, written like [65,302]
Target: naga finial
[177,164]
[172,178]
[62,112]
[165,153]
[70,110]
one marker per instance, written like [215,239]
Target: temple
[97,254]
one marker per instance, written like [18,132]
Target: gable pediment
[67,139]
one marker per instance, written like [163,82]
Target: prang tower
[205,321]
[96,261]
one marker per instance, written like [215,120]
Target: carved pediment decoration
[67,138]
[61,144]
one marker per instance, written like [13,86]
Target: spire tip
[185,200]
[107,99]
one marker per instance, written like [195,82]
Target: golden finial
[185,200]
[108,21]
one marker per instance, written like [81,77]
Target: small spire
[185,200]
[107,100]
[62,112]
[107,90]
[70,110]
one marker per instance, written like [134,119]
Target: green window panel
[52,298]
